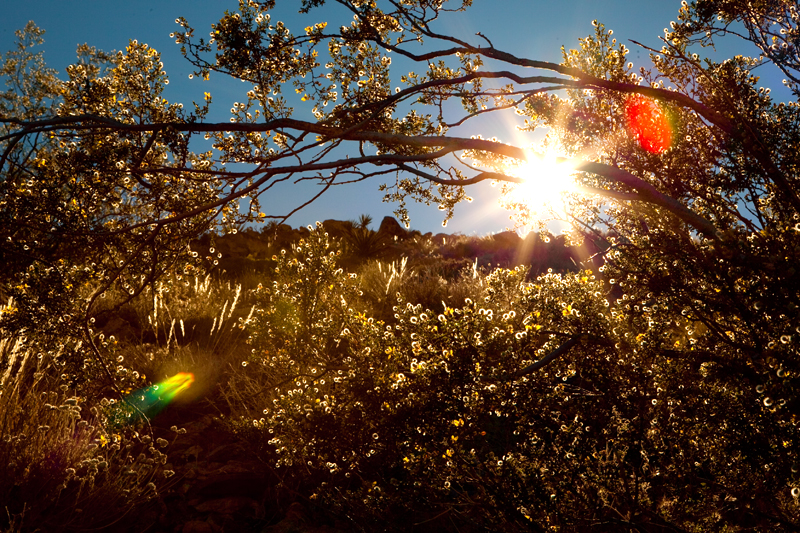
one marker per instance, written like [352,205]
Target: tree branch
[645,191]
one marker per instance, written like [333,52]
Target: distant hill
[251,251]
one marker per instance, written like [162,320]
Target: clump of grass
[432,286]
[380,283]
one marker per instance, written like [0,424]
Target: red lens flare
[648,124]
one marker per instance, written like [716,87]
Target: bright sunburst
[547,179]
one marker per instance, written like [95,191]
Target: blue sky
[535,29]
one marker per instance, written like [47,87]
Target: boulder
[440,239]
[282,237]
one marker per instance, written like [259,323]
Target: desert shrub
[402,422]
[390,418]
[46,302]
[362,244]
[300,322]
[535,405]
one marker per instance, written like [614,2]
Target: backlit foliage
[650,389]
[440,412]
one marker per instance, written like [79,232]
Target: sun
[548,179]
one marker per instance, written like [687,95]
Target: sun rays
[548,182]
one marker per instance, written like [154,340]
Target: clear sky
[532,28]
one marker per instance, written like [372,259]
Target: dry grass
[60,455]
[195,325]
[60,469]
[429,285]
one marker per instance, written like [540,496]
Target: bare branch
[549,358]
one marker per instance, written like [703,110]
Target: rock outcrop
[390,227]
[337,228]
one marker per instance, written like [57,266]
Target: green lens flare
[151,400]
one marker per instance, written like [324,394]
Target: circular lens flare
[648,124]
